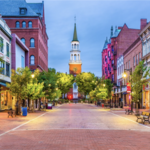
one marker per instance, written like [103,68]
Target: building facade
[27,21]
[132,57]
[75,64]
[120,41]
[5,65]
[145,39]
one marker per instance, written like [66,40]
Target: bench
[11,113]
[144,117]
[128,111]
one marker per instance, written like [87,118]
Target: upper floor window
[1,67]
[23,11]
[7,46]
[134,61]
[1,45]
[24,24]
[7,69]
[30,24]
[113,78]
[23,41]
[112,48]
[32,42]
[17,24]
[139,56]
[109,54]
[137,59]
[32,60]
[129,64]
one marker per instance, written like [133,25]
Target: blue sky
[94,19]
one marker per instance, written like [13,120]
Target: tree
[109,86]
[86,82]
[100,92]
[34,91]
[64,82]
[137,83]
[50,83]
[20,80]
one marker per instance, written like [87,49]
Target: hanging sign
[128,88]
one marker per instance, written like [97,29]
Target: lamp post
[124,75]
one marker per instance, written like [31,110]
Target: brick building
[145,40]
[27,20]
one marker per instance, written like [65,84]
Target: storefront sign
[128,88]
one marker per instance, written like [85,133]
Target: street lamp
[32,75]
[125,75]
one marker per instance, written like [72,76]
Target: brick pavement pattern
[75,127]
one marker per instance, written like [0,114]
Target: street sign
[128,87]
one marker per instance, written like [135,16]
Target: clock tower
[75,62]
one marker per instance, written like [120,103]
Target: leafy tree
[64,82]
[50,83]
[137,83]
[20,80]
[86,82]
[35,91]
[109,86]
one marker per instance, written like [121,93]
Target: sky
[94,19]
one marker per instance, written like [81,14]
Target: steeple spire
[75,38]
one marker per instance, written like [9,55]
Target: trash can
[49,106]
[24,111]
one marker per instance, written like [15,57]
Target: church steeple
[75,38]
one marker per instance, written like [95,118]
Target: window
[137,59]
[109,54]
[139,56]
[7,69]
[74,46]
[23,41]
[126,65]
[1,45]
[144,49]
[129,64]
[7,46]
[106,59]
[17,24]
[32,60]
[112,49]
[23,11]
[30,24]
[24,24]
[22,62]
[134,61]
[32,43]
[113,78]
[1,67]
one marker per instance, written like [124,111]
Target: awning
[4,84]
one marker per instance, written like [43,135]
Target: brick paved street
[74,127]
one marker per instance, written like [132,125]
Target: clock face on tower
[75,69]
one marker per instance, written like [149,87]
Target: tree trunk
[33,105]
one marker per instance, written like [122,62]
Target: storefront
[146,97]
[5,98]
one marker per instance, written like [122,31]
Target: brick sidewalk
[75,140]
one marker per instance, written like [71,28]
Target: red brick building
[27,20]
[119,41]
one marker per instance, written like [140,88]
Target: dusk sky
[94,19]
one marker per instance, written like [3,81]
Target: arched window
[23,40]
[74,46]
[17,24]
[32,42]
[24,24]
[32,60]
[30,24]
[75,58]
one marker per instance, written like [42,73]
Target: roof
[12,8]
[116,33]
[105,44]
[75,38]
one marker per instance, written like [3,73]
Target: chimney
[143,23]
